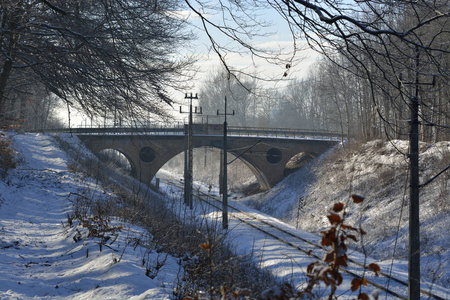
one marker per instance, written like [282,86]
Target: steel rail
[393,293]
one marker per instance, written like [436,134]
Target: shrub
[7,155]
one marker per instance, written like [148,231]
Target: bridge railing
[121,130]
[280,132]
[206,129]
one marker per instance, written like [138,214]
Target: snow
[379,171]
[39,258]
[287,264]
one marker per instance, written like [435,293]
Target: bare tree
[398,47]
[97,55]
[240,95]
[374,40]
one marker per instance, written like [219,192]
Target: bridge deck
[210,130]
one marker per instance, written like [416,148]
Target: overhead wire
[398,229]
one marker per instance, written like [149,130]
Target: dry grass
[203,269]
[7,155]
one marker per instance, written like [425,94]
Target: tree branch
[54,7]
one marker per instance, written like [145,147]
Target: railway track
[355,269]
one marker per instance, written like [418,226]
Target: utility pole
[414,224]
[188,179]
[186,165]
[221,173]
[224,175]
[115,116]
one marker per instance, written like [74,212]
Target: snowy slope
[39,258]
[379,171]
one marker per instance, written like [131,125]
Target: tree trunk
[6,69]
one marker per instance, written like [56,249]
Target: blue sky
[277,37]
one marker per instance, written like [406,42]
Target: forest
[108,59]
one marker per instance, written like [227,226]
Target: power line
[248,149]
[434,177]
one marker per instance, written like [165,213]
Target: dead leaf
[334,218]
[338,207]
[355,284]
[205,246]
[358,198]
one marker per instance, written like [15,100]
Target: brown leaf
[329,237]
[334,218]
[329,257]
[310,268]
[375,268]
[338,207]
[358,198]
[205,246]
[341,261]
[363,296]
[349,227]
[364,281]
[355,284]
[326,242]
[352,237]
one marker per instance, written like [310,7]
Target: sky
[275,37]
[273,34]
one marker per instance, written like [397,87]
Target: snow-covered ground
[282,201]
[40,259]
[379,171]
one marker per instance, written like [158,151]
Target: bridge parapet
[282,132]
[211,129]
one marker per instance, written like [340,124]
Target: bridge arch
[265,157]
[259,175]
[108,157]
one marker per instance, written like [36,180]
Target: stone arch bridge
[265,151]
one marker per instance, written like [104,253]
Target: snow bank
[379,171]
[39,258]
